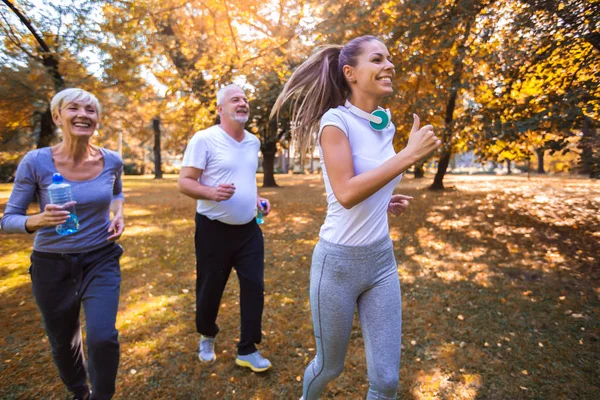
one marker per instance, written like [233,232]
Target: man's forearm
[194,189]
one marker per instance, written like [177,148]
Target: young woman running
[336,92]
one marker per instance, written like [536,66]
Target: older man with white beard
[219,170]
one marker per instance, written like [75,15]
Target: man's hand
[398,203]
[223,191]
[265,210]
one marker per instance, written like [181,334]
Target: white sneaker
[206,352]
[254,361]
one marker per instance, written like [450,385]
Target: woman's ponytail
[315,87]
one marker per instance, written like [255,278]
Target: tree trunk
[51,63]
[47,132]
[587,153]
[157,159]
[540,156]
[458,61]
[143,165]
[268,151]
[508,167]
[302,162]
[419,171]
[438,181]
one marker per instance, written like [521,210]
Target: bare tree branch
[233,36]
[49,60]
[10,34]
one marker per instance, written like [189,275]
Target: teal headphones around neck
[378,119]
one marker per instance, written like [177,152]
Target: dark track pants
[61,284]
[219,248]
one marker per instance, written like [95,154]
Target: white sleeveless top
[367,221]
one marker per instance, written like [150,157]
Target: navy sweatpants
[61,284]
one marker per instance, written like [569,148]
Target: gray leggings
[341,278]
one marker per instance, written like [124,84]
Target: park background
[498,254]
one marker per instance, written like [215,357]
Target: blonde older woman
[82,268]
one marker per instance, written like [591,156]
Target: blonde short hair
[67,96]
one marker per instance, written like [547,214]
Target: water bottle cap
[57,178]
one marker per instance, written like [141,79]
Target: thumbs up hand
[422,141]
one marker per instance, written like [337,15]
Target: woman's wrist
[116,208]
[408,156]
[30,224]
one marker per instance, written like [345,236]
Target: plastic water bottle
[60,194]
[260,218]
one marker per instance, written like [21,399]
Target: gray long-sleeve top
[93,197]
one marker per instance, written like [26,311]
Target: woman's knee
[332,372]
[101,339]
[328,373]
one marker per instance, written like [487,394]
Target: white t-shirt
[225,160]
[367,221]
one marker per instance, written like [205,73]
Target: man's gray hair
[221,92]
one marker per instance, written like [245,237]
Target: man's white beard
[240,119]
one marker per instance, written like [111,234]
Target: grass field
[500,285]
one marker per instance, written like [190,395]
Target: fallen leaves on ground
[500,286]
